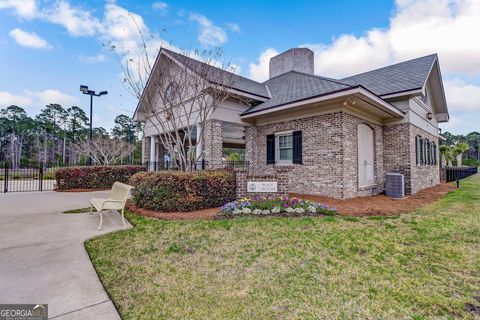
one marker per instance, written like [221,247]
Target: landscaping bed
[381,204]
[420,265]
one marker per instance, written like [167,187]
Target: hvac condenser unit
[395,185]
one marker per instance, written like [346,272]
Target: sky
[49,47]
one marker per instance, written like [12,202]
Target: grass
[421,265]
[80,210]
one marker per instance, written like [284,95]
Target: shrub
[276,205]
[182,191]
[95,177]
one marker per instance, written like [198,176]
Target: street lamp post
[84,89]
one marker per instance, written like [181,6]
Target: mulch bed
[205,214]
[378,205]
[381,205]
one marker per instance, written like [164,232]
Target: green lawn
[421,265]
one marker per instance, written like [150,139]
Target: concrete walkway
[42,256]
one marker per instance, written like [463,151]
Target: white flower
[289,210]
[299,210]
[257,211]
[265,211]
[246,211]
[275,210]
[237,211]
[311,209]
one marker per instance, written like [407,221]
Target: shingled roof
[238,82]
[400,77]
[295,86]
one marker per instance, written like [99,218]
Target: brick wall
[329,155]
[280,176]
[427,175]
[400,156]
[213,145]
[146,149]
[350,179]
[397,153]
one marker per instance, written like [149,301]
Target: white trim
[401,94]
[277,148]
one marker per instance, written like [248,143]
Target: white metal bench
[116,201]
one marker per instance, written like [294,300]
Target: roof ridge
[310,75]
[323,78]
[171,51]
[390,65]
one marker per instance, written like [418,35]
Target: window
[285,147]
[425,152]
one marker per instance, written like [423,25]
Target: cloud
[462,96]
[232,26]
[42,98]
[78,21]
[159,6]
[92,59]
[417,28]
[29,39]
[7,99]
[36,98]
[259,71]
[210,34]
[26,9]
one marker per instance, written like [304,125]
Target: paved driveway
[42,256]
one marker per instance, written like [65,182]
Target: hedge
[95,177]
[182,191]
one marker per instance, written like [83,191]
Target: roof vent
[395,185]
[296,59]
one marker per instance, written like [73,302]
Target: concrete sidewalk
[42,256]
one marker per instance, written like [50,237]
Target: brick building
[323,136]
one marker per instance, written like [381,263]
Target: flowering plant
[263,205]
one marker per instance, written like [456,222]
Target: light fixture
[83,88]
[429,115]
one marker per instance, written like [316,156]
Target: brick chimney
[296,59]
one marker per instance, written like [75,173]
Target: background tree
[104,150]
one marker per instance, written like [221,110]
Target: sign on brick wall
[261,186]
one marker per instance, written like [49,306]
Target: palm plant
[459,150]
[447,155]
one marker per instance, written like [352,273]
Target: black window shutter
[417,147]
[297,147]
[270,149]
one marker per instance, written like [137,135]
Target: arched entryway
[366,165]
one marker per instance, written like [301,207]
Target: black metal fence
[39,176]
[458,173]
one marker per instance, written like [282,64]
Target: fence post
[40,176]
[5,186]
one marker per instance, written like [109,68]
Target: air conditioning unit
[395,185]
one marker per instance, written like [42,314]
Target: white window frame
[277,148]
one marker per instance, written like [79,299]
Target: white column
[152,152]
[199,146]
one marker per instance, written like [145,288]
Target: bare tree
[105,150]
[177,93]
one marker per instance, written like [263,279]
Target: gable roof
[294,86]
[238,82]
[401,77]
